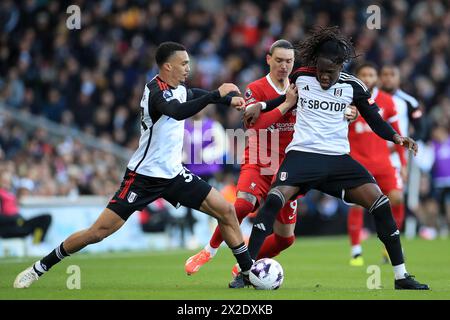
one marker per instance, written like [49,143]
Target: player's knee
[228,215]
[384,221]
[275,199]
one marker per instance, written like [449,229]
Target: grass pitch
[315,268]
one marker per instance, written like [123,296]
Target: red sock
[355,222]
[398,211]
[243,208]
[273,245]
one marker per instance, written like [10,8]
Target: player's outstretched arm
[194,93]
[382,128]
[180,111]
[252,113]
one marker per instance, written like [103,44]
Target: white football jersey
[320,125]
[161,143]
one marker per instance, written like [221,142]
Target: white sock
[356,249]
[212,251]
[400,271]
[38,267]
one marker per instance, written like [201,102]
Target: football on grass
[266,274]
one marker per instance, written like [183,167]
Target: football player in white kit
[155,169]
[317,157]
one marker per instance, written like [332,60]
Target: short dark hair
[366,64]
[280,44]
[165,50]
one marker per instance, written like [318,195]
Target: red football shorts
[251,181]
[388,180]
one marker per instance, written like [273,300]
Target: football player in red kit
[267,141]
[374,154]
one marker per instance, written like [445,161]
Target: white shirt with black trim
[321,126]
[161,143]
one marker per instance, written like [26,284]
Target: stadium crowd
[92,79]
[42,165]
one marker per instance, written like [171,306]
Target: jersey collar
[280,92]
[163,83]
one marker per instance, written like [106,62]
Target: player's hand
[226,88]
[238,103]
[406,142]
[351,113]
[251,114]
[292,95]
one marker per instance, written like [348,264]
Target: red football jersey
[365,146]
[259,149]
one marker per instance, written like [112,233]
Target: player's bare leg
[107,223]
[370,197]
[216,206]
[245,204]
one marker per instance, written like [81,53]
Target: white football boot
[25,278]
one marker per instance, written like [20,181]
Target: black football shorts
[331,174]
[137,191]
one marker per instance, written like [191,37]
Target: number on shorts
[294,206]
[187,176]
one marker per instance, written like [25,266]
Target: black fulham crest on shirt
[337,92]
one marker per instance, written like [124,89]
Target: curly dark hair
[326,42]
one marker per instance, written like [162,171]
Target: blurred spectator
[48,69]
[12,224]
[441,172]
[54,166]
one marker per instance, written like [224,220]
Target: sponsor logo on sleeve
[248,94]
[168,95]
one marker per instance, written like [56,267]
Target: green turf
[315,268]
